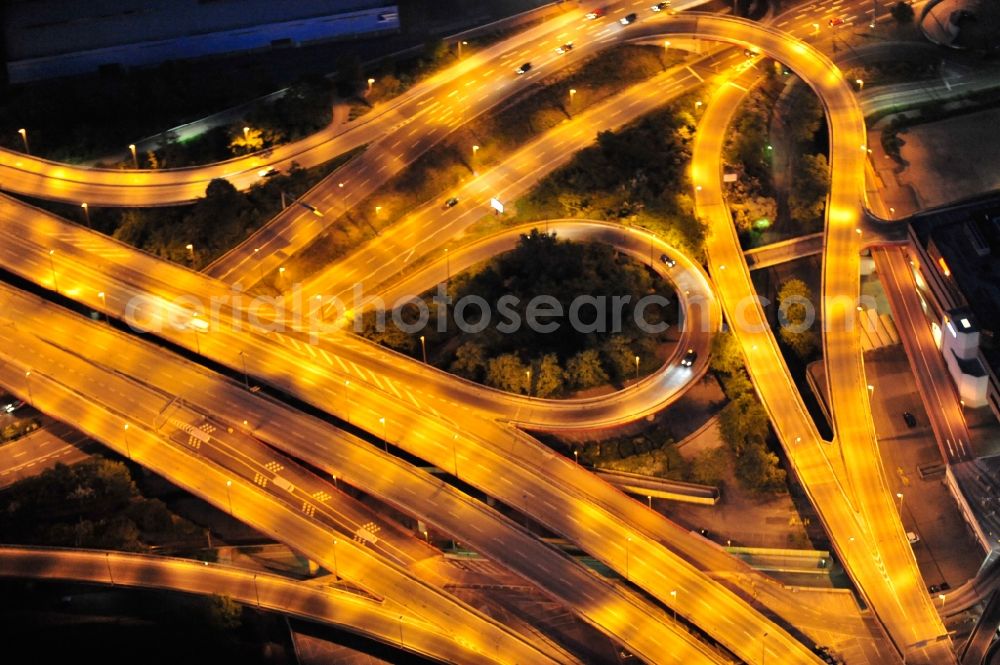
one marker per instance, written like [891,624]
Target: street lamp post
[107,561]
[347,395]
[52,264]
[454,452]
[400,631]
[423,347]
[899,495]
[246,375]
[24,137]
[246,135]
[763,648]
[135,156]
[941,598]
[861,84]
[86,214]
[649,498]
[461,43]
[371,81]
[572,93]
[527,373]
[385,438]
[447,260]
[673,605]
[104,304]
[256,592]
[27,382]
[576,455]
[190,248]
[627,541]
[336,568]
[475,149]
[229,495]
[637,368]
[128,449]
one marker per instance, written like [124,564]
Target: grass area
[548,355]
[497,133]
[213,225]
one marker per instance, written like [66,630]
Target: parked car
[834,22]
[451,203]
[667,261]
[597,13]
[565,48]
[689,358]
[909,419]
[628,18]
[659,6]
[523,68]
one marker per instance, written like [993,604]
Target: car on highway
[628,18]
[909,419]
[689,358]
[834,22]
[912,537]
[267,172]
[451,203]
[751,52]
[597,13]
[523,68]
[565,48]
[667,261]
[935,588]
[13,406]
[659,6]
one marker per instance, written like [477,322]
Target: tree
[743,422]
[549,376]
[902,12]
[224,613]
[584,370]
[709,467]
[470,361]
[795,318]
[809,188]
[737,383]
[619,356]
[758,469]
[726,354]
[386,333]
[507,372]
[246,140]
[803,114]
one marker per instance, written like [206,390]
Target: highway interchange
[417,409]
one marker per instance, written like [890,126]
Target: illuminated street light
[649,498]
[128,450]
[861,84]
[135,157]
[370,82]
[229,495]
[572,93]
[86,213]
[104,304]
[461,43]
[385,438]
[899,495]
[52,265]
[336,572]
[246,134]
[246,375]
[673,594]
[941,598]
[475,149]
[423,347]
[24,137]
[527,373]
[637,368]
[627,541]
[576,456]
[190,248]
[27,382]
[871,390]
[666,44]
